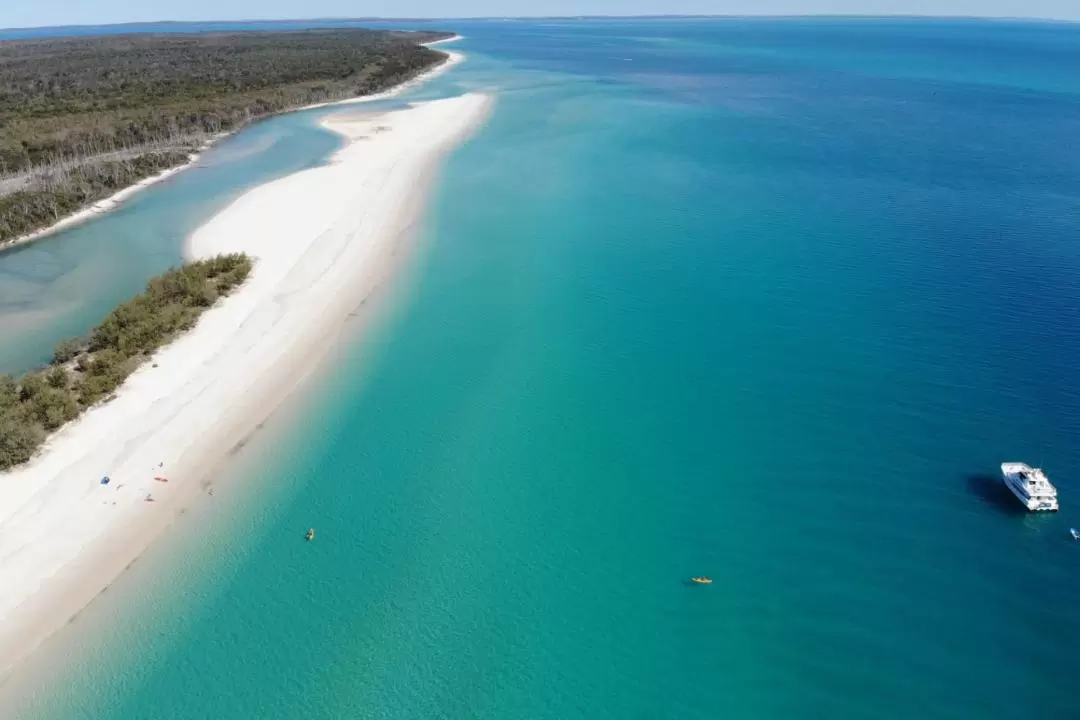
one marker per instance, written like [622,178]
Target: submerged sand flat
[322,239]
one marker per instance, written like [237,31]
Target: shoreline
[113,201]
[452,59]
[106,204]
[64,536]
[455,38]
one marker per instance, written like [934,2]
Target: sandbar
[322,240]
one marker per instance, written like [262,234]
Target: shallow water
[764,300]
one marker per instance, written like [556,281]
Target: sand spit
[322,240]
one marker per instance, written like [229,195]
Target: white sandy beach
[322,239]
[116,199]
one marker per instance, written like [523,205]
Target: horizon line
[526,18]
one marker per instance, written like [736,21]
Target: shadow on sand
[992,491]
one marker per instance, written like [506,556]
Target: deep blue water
[764,300]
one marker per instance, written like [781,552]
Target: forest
[90,369]
[81,118]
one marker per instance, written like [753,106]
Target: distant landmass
[84,117]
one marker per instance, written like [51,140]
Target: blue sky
[22,13]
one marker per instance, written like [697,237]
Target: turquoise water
[764,300]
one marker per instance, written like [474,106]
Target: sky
[28,13]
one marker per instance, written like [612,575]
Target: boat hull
[1034,504]
[1045,497]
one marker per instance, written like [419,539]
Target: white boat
[1030,485]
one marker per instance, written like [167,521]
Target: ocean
[764,300]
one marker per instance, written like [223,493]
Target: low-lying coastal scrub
[87,370]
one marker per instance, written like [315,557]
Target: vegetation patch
[86,371]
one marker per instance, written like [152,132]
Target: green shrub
[9,392]
[52,408]
[66,351]
[19,439]
[105,362]
[92,388]
[31,386]
[57,378]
